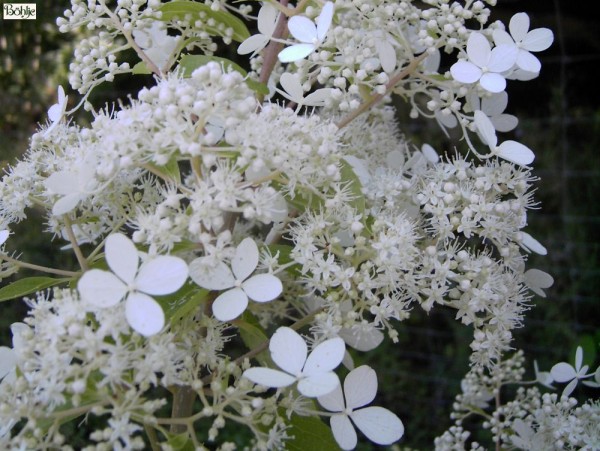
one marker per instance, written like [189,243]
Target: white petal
[295,52]
[478,49]
[343,432]
[532,244]
[267,19]
[122,257]
[3,236]
[101,288]
[302,28]
[563,372]
[502,37]
[515,152]
[230,304]
[253,44]
[62,182]
[360,387]
[288,350]
[262,287]
[65,204]
[379,425]
[245,259]
[292,86]
[334,401]
[465,72]
[319,384]
[570,387]
[538,40]
[503,58]
[387,55]
[318,97]
[578,358]
[505,122]
[144,314]
[8,361]
[494,104]
[362,340]
[485,129]
[492,82]
[527,62]
[325,357]
[269,377]
[429,153]
[17,330]
[538,278]
[162,275]
[324,20]
[217,277]
[519,26]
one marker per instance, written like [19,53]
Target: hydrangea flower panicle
[311,36]
[379,424]
[157,276]
[232,303]
[314,372]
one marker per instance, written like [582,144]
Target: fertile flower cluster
[199,196]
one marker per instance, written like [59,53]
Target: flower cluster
[290,186]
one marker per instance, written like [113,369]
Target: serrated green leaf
[140,69]
[310,433]
[29,285]
[189,63]
[253,335]
[199,11]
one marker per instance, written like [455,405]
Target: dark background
[559,119]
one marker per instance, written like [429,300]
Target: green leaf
[253,335]
[310,433]
[183,302]
[171,170]
[180,442]
[351,180]
[221,20]
[27,286]
[140,69]
[189,63]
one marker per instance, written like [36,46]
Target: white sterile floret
[156,43]
[57,111]
[310,35]
[484,64]
[525,41]
[9,357]
[232,303]
[493,106]
[157,276]
[509,150]
[267,20]
[294,92]
[377,423]
[564,372]
[314,372]
[537,280]
[73,185]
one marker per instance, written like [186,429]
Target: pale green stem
[76,249]
[58,272]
